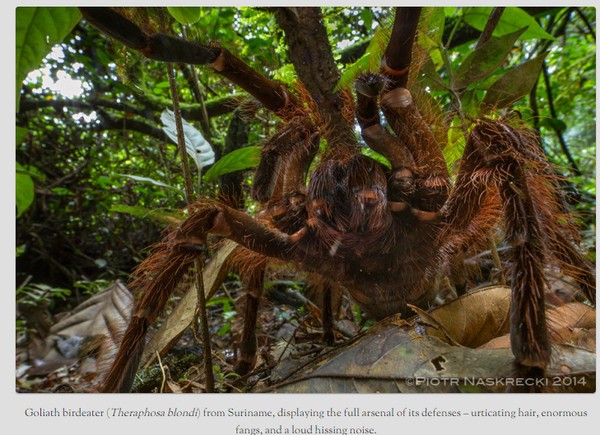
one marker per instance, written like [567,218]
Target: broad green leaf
[483,61]
[431,25]
[196,145]
[37,30]
[238,160]
[25,190]
[455,146]
[512,19]
[514,84]
[367,16]
[183,15]
[450,11]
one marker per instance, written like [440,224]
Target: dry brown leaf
[101,318]
[396,356]
[572,324]
[502,342]
[572,315]
[472,319]
[183,314]
[436,346]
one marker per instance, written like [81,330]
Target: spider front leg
[166,48]
[368,88]
[419,174]
[158,275]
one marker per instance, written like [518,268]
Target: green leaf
[431,28]
[512,19]
[186,16]
[286,74]
[450,11]
[238,160]
[514,84]
[21,249]
[553,123]
[483,61]
[21,134]
[431,77]
[376,156]
[455,146]
[146,213]
[37,30]
[370,61]
[25,190]
[367,16]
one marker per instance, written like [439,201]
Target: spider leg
[419,173]
[252,277]
[285,159]
[398,53]
[406,191]
[502,171]
[165,48]
[157,276]
[327,313]
[431,173]
[154,281]
[293,150]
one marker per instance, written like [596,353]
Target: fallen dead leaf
[472,319]
[397,356]
[99,320]
[183,314]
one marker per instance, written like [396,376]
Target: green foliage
[238,160]
[25,190]
[484,60]
[92,287]
[37,30]
[183,15]
[225,304]
[376,156]
[369,62]
[164,217]
[514,84]
[512,20]
[38,294]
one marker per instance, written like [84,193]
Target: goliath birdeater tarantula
[383,234]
